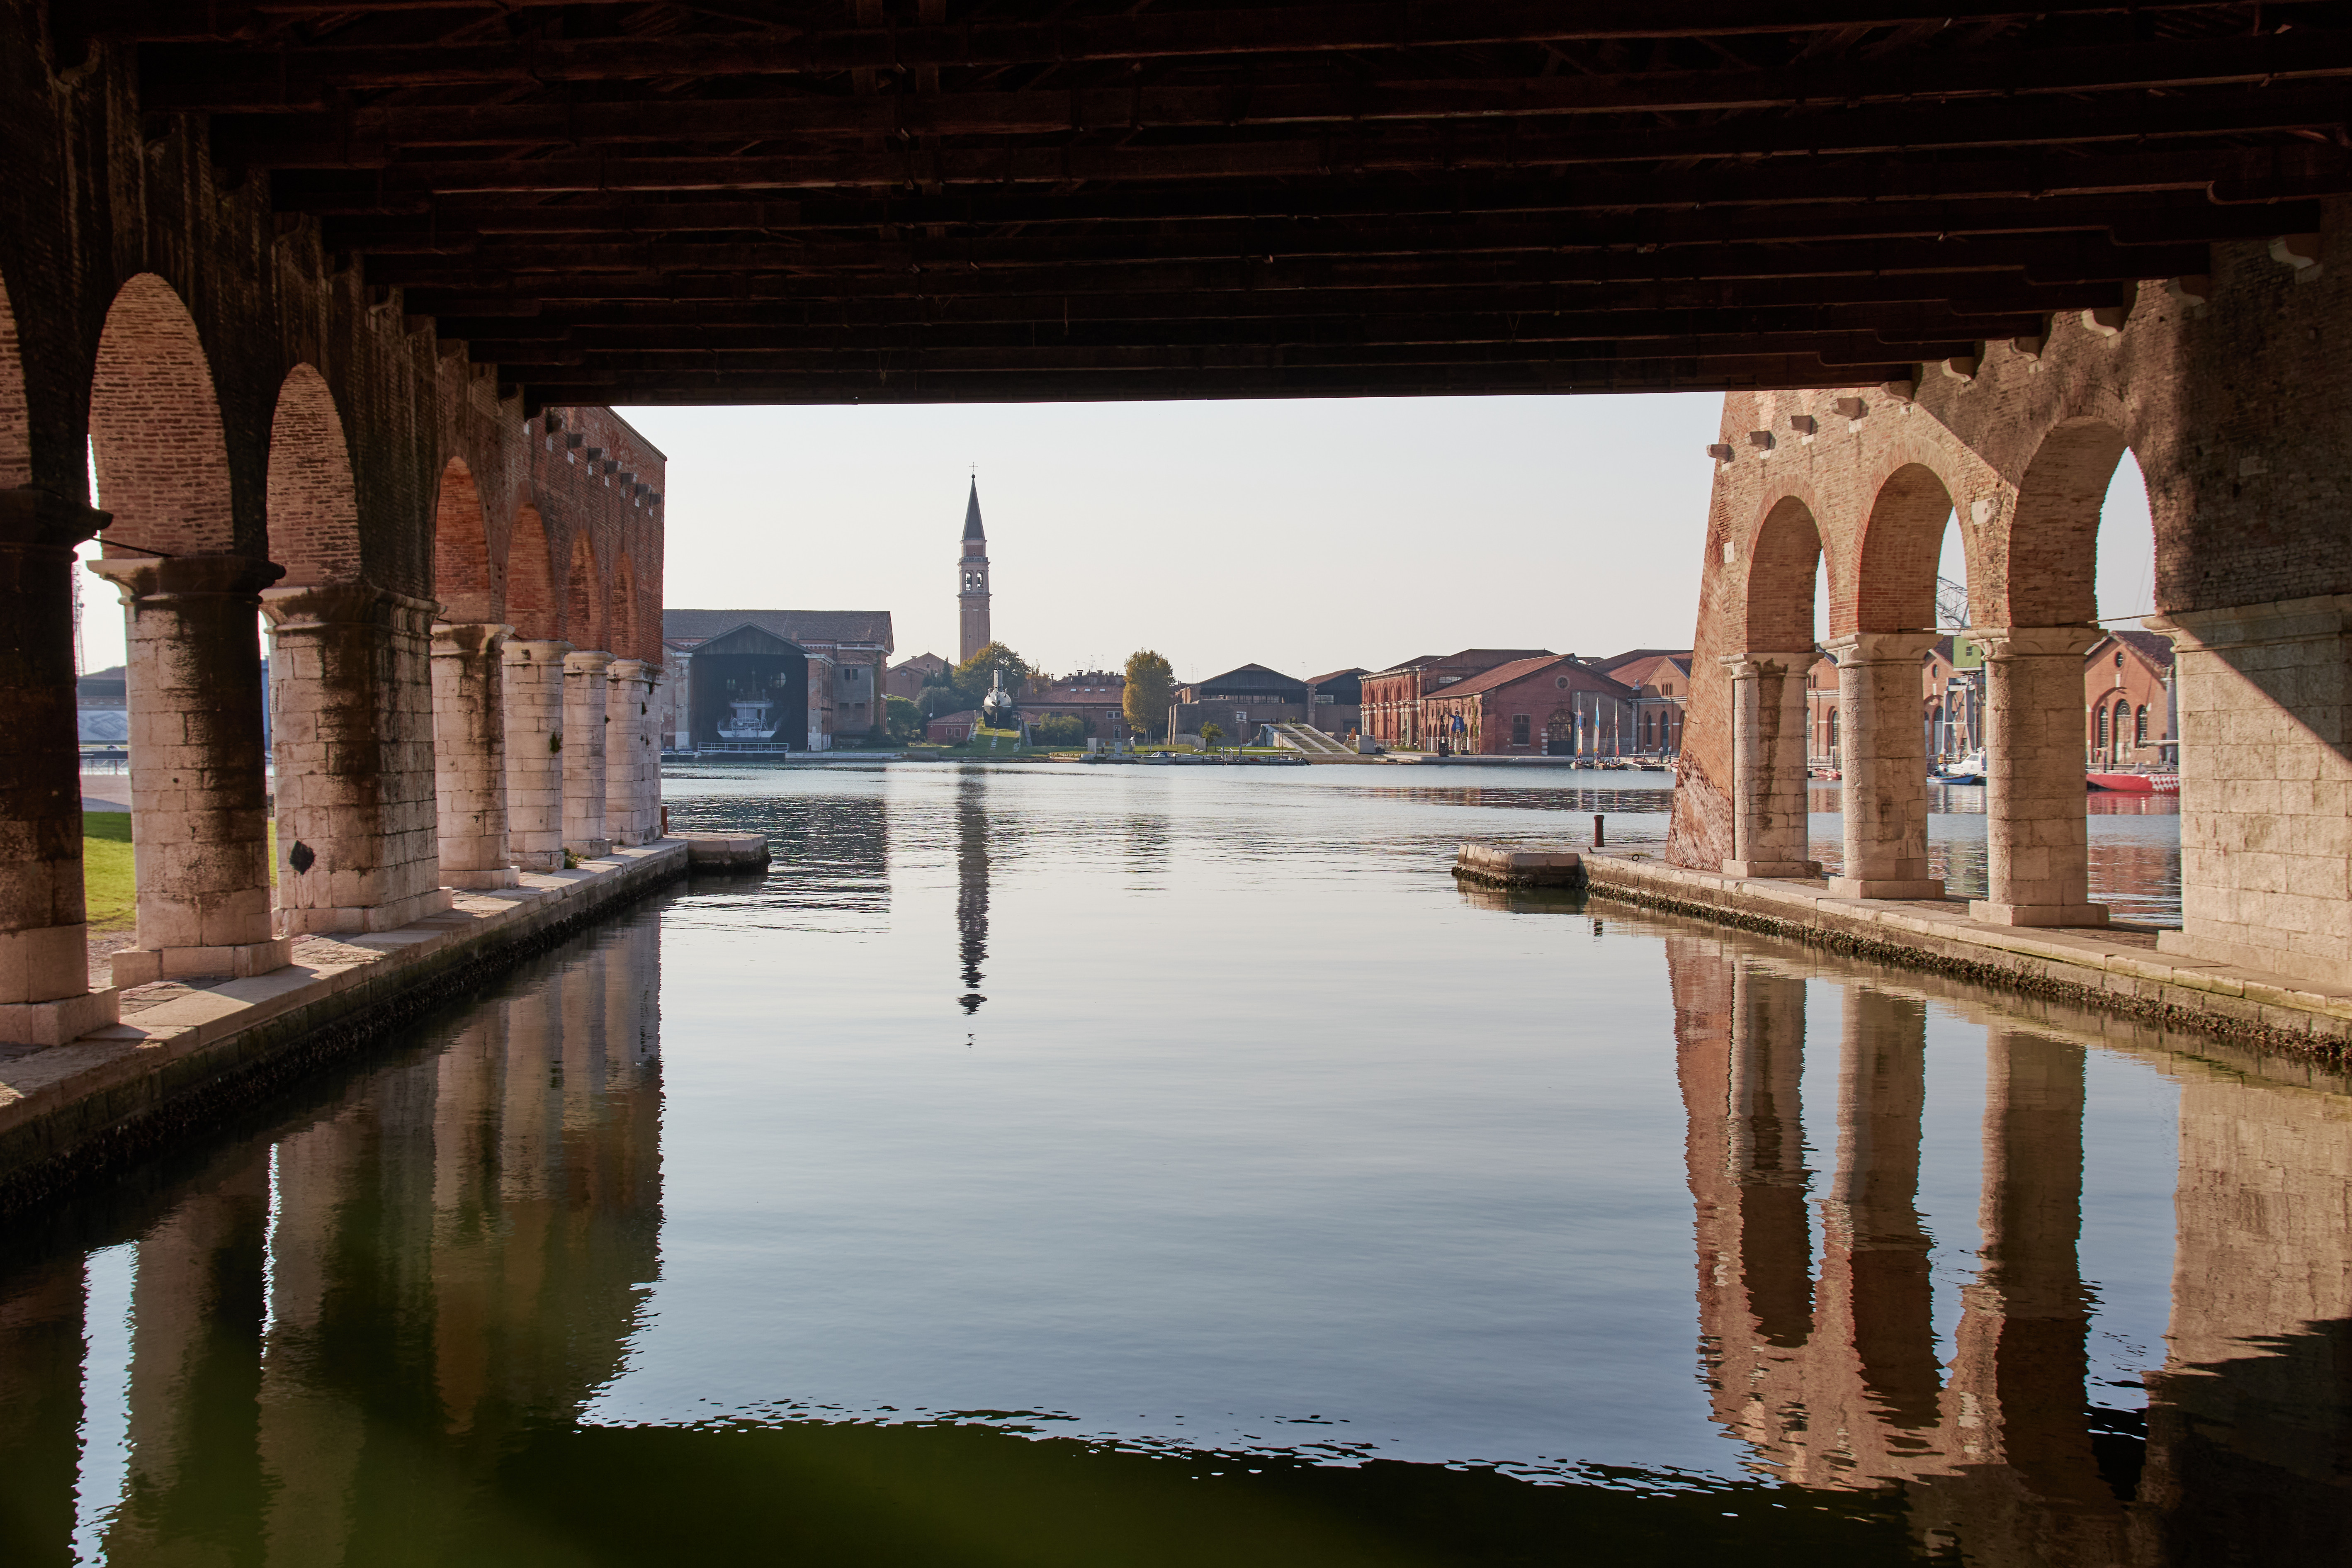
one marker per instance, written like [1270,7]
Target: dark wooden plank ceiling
[946,200]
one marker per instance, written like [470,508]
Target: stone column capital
[462,639]
[631,670]
[536,650]
[296,604]
[587,661]
[36,518]
[1880,647]
[1749,666]
[2000,642]
[138,577]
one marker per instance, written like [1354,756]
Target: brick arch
[16,414]
[462,578]
[624,619]
[314,508]
[1784,561]
[1902,543]
[155,429]
[530,585]
[2054,531]
[584,597]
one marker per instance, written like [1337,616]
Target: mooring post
[1596,839]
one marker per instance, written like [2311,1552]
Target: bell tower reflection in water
[1834,1381]
[436,1256]
[971,883]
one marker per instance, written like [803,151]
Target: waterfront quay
[971,1183]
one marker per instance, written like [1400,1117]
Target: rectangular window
[1519,729]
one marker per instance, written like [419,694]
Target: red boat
[2136,784]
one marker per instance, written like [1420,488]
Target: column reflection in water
[1835,1383]
[340,1332]
[971,882]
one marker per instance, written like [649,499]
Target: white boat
[1968,770]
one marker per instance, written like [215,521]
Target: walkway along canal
[1074,1166]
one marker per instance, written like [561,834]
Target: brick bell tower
[971,595]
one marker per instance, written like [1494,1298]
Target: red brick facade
[1549,705]
[1392,711]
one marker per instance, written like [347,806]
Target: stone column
[1885,766]
[199,796]
[2037,838]
[469,754]
[45,994]
[533,672]
[629,758]
[2265,698]
[351,740]
[666,698]
[586,695]
[1768,766]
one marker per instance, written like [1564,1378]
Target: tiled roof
[1681,655]
[1520,669]
[797,625]
[2157,650]
[1335,675]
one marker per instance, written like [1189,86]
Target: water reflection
[971,882]
[1826,1364]
[437,1311]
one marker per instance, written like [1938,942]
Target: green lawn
[109,891]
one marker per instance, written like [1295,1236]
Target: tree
[934,701]
[1059,730]
[1210,735]
[1150,685]
[975,675]
[902,718]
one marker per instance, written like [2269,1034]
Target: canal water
[1155,1167]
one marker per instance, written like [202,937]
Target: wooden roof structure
[999,200]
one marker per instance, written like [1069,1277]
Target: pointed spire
[971,529]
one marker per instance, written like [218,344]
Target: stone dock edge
[2114,969]
[175,1070]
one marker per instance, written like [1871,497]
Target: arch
[2123,711]
[2054,536]
[1902,544]
[531,589]
[155,429]
[16,414]
[583,602]
[2140,725]
[462,578]
[313,504]
[1783,562]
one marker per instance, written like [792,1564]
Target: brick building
[1095,696]
[2127,717]
[848,654]
[1251,695]
[1552,705]
[1660,682]
[1393,697]
[905,679]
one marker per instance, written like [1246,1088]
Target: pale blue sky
[1307,535]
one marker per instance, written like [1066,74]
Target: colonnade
[407,759]
[2037,836]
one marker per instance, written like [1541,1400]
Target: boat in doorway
[2136,784]
[1967,770]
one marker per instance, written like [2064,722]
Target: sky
[1306,535]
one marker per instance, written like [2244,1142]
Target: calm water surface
[1173,1166]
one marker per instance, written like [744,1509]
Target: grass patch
[109,890]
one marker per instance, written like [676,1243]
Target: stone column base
[56,1023]
[146,965]
[330,920]
[1885,887]
[497,876]
[538,860]
[589,849]
[2037,914]
[1798,869]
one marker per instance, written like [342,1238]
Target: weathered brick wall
[2225,389]
[225,291]
[2231,403]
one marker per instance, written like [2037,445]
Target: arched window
[2122,708]
[1834,729]
[2140,725]
[2101,739]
